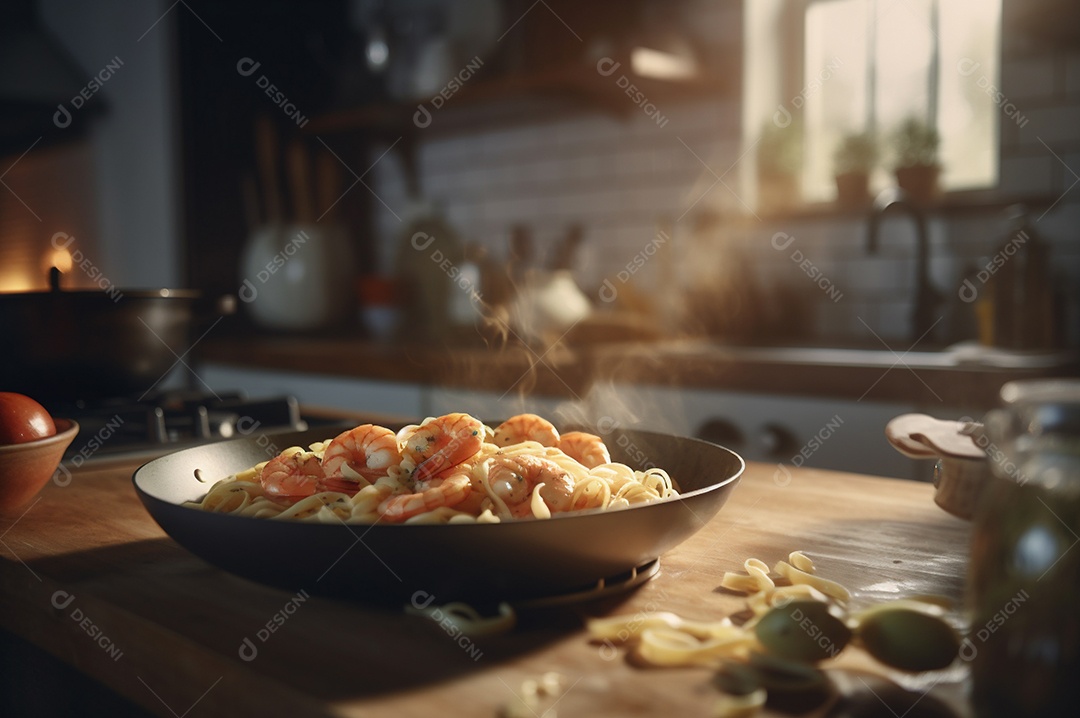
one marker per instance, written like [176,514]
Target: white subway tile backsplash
[528,137]
[1069,174]
[459,215]
[1027,173]
[832,320]
[1072,74]
[975,233]
[436,184]
[1027,78]
[1054,124]
[1061,225]
[660,201]
[892,322]
[547,172]
[590,168]
[584,131]
[946,272]
[872,276]
[618,177]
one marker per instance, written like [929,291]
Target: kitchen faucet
[927,296]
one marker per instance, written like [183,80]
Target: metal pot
[61,346]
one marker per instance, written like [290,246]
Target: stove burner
[168,420]
[605,587]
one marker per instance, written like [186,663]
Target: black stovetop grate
[168,420]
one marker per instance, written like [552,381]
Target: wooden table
[86,575]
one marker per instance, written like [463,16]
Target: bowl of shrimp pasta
[451,507]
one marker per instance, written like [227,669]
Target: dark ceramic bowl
[479,562]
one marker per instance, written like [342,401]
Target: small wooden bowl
[25,468]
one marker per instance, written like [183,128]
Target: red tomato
[22,419]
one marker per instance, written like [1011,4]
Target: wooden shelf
[484,102]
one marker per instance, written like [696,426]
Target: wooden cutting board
[89,577]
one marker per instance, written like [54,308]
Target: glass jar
[1024,577]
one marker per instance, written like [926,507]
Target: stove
[164,421]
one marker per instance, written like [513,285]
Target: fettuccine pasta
[445,470]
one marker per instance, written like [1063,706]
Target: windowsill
[949,203]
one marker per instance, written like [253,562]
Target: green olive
[908,639]
[803,630]
[737,679]
[776,674]
[794,687]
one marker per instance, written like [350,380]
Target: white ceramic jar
[297,277]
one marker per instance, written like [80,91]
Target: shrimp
[364,453]
[442,443]
[432,494]
[587,449]
[295,473]
[513,478]
[526,427]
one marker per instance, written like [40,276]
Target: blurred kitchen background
[650,212]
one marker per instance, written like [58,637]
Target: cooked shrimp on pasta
[447,469]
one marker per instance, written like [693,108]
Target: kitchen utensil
[962,471]
[266,151]
[920,437]
[564,256]
[327,186]
[382,562]
[83,344]
[298,275]
[300,182]
[25,468]
[249,195]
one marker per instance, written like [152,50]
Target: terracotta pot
[25,468]
[920,182]
[853,189]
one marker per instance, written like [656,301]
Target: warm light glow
[59,258]
[13,281]
[661,65]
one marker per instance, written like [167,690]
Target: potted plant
[917,167]
[853,161]
[779,160]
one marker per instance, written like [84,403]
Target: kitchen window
[839,67]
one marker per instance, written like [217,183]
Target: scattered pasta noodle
[450,469]
[667,639]
[797,576]
[535,697]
